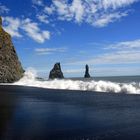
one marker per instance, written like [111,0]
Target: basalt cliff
[10,66]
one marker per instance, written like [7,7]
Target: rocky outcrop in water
[87,75]
[10,67]
[56,72]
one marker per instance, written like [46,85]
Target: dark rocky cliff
[56,72]
[10,67]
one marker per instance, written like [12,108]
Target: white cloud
[120,57]
[108,18]
[97,13]
[49,10]
[33,31]
[127,52]
[14,25]
[61,7]
[43,18]
[78,10]
[44,51]
[38,2]
[3,9]
[116,3]
[135,44]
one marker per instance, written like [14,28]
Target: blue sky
[102,33]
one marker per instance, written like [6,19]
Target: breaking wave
[30,79]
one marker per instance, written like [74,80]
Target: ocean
[120,84]
[100,108]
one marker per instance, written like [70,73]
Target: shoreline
[67,90]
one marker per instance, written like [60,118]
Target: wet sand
[28,113]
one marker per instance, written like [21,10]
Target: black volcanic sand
[28,113]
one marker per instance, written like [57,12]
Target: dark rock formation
[10,67]
[87,75]
[56,72]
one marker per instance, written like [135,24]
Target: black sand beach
[28,113]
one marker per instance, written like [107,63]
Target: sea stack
[87,75]
[56,72]
[10,67]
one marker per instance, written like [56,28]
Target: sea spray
[30,79]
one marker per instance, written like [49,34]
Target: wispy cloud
[38,2]
[108,18]
[31,29]
[43,18]
[3,9]
[97,13]
[134,44]
[119,57]
[127,52]
[114,4]
[45,51]
[12,25]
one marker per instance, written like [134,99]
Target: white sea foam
[29,79]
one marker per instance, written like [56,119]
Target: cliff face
[56,72]
[10,67]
